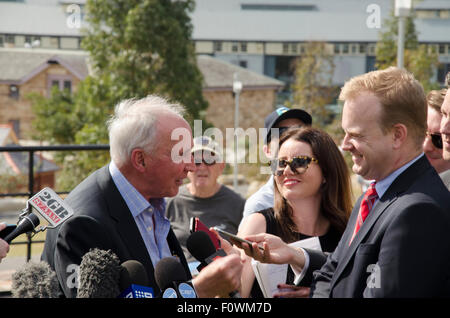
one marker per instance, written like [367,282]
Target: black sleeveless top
[328,242]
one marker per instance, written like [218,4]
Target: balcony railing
[31,186]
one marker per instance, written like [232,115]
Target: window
[1,40]
[442,49]
[234,47]
[285,48]
[345,48]
[244,47]
[68,86]
[218,46]
[337,48]
[14,91]
[61,82]
[243,64]
[362,48]
[10,39]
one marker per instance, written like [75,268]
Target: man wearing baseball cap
[204,197]
[281,119]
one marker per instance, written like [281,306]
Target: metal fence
[31,151]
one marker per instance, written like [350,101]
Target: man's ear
[138,159]
[399,135]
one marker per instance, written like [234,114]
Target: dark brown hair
[336,202]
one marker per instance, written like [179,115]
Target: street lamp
[402,10]
[237,88]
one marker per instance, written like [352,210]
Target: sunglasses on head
[436,139]
[298,165]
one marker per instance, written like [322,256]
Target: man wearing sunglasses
[279,120]
[204,197]
[432,145]
[445,127]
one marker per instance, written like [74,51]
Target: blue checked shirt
[144,213]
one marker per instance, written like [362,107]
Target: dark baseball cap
[282,113]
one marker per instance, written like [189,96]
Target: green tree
[136,48]
[144,46]
[418,59]
[312,89]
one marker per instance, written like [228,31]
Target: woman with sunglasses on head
[312,198]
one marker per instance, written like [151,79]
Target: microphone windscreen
[200,245]
[132,272]
[99,275]
[169,270]
[35,280]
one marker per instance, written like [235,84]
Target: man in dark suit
[120,207]
[396,241]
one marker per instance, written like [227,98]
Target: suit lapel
[400,185]
[125,224]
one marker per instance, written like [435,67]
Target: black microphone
[202,248]
[35,280]
[26,224]
[172,279]
[134,281]
[99,275]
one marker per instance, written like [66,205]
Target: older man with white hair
[120,207]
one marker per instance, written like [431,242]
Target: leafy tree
[313,90]
[144,46]
[136,48]
[417,58]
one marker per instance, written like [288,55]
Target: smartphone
[197,225]
[236,239]
[8,229]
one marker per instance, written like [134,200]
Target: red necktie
[366,205]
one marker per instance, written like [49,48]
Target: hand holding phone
[236,240]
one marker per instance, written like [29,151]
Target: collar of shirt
[385,183]
[145,214]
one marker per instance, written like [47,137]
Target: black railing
[31,150]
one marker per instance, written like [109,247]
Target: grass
[17,250]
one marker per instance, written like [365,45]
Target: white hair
[134,125]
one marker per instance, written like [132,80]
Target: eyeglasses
[208,158]
[206,162]
[297,164]
[436,139]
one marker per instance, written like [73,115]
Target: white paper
[270,275]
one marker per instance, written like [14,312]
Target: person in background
[312,198]
[432,146]
[204,197]
[282,118]
[445,128]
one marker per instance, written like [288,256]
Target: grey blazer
[402,248]
[103,220]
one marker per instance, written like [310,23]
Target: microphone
[35,280]
[49,205]
[134,280]
[26,224]
[99,274]
[202,248]
[172,279]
